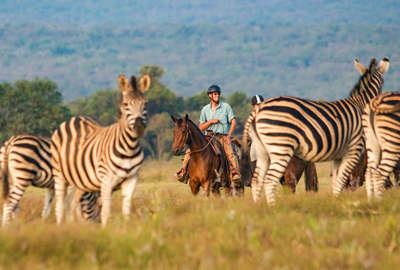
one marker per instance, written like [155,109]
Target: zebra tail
[4,170]
[247,127]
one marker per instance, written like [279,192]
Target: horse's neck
[197,140]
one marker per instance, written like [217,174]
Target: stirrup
[181,176]
[236,177]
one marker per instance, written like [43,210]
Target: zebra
[311,130]
[25,160]
[381,127]
[92,157]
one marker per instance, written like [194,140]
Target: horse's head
[181,135]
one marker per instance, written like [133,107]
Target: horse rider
[255,100]
[217,120]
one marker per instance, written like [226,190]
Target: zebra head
[133,102]
[371,81]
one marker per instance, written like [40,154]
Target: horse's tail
[4,169]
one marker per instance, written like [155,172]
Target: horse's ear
[186,117]
[173,118]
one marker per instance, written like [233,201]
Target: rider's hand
[228,139]
[214,121]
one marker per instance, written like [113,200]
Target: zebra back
[28,157]
[313,130]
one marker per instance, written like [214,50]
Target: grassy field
[171,229]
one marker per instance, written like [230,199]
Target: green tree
[160,98]
[241,107]
[33,107]
[159,136]
[196,102]
[101,106]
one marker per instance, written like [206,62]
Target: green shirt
[223,112]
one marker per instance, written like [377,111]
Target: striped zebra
[311,130]
[25,160]
[381,126]
[92,157]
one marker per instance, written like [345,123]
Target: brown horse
[207,166]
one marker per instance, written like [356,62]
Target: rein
[203,148]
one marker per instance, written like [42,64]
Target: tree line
[36,107]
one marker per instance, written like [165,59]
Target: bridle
[187,137]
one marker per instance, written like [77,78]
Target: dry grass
[171,229]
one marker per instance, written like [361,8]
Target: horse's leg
[206,186]
[311,177]
[194,186]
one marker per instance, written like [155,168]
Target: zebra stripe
[381,126]
[99,158]
[25,160]
[311,130]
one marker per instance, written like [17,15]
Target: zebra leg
[74,205]
[59,186]
[373,158]
[346,166]
[275,171]
[12,202]
[385,168]
[48,200]
[258,176]
[127,189]
[106,193]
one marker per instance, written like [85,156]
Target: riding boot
[234,164]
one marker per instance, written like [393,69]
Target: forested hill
[129,12]
[303,49]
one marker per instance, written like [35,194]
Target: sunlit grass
[171,229]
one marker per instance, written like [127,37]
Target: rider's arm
[205,125]
[233,125]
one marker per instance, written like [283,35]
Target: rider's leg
[181,174]
[233,162]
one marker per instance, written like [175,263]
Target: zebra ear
[384,65]
[360,67]
[122,82]
[144,83]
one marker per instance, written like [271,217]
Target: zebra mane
[358,87]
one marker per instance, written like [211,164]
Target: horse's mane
[195,126]
[358,87]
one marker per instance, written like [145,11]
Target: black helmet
[257,99]
[214,88]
